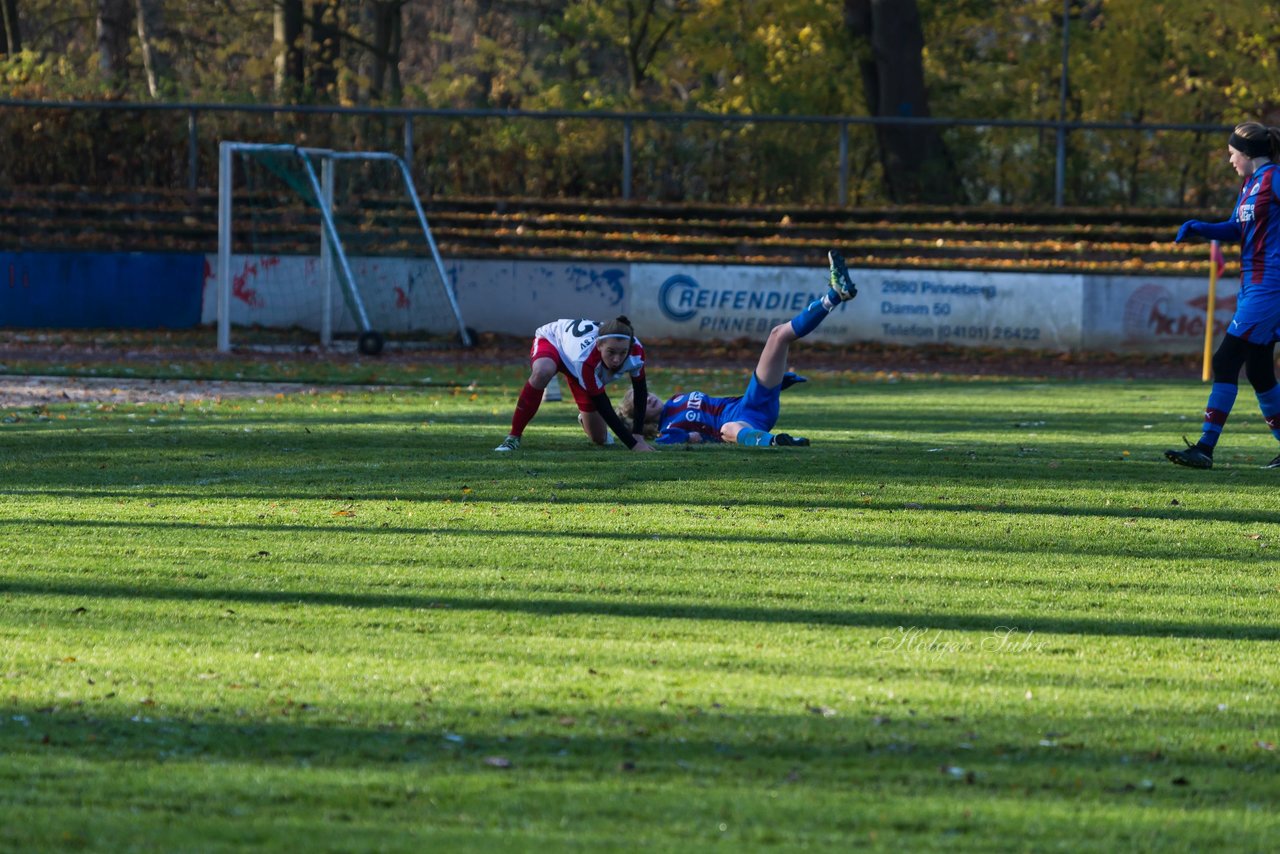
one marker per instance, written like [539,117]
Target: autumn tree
[12,42]
[382,26]
[113,28]
[156,47]
[290,67]
[916,164]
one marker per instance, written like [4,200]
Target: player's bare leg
[595,428]
[773,358]
[541,373]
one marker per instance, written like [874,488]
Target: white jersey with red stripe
[575,341]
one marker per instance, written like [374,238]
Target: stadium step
[1093,241]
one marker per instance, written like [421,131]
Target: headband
[1256,147]
[616,335]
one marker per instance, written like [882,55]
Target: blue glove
[1225,231]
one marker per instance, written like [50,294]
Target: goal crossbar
[331,242]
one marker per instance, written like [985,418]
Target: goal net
[331,243]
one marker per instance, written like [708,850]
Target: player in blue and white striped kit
[1250,340]
[694,416]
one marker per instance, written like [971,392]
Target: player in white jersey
[590,355]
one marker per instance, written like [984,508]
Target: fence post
[1060,169]
[408,139]
[844,164]
[225,165]
[626,159]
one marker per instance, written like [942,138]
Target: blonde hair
[627,412]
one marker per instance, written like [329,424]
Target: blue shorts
[1257,317]
[758,406]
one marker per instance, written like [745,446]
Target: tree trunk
[382,23]
[9,19]
[290,66]
[326,47]
[395,51]
[642,44]
[917,166]
[157,52]
[113,40]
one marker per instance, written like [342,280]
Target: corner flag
[1216,265]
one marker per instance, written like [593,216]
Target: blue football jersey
[693,412]
[1258,213]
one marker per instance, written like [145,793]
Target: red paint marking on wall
[402,298]
[240,286]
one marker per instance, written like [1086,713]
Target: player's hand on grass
[642,445]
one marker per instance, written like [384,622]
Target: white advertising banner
[512,297]
[283,291]
[724,302]
[1123,314]
[893,306]
[1155,315]
[516,297]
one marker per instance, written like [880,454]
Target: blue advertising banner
[100,290]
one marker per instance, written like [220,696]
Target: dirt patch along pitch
[17,392]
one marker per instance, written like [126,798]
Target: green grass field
[974,615]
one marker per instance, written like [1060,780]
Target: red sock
[526,408]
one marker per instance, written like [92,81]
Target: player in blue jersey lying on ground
[746,420]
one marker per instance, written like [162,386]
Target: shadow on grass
[851,618]
[918,756]
[983,540]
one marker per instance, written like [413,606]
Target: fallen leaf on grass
[958,773]
[1265,745]
[497,762]
[344,512]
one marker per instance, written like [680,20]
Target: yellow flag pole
[1207,370]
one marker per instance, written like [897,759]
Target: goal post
[285,247]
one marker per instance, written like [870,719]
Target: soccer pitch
[983,615]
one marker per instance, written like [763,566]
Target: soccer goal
[333,243]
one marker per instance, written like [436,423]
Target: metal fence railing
[827,160]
